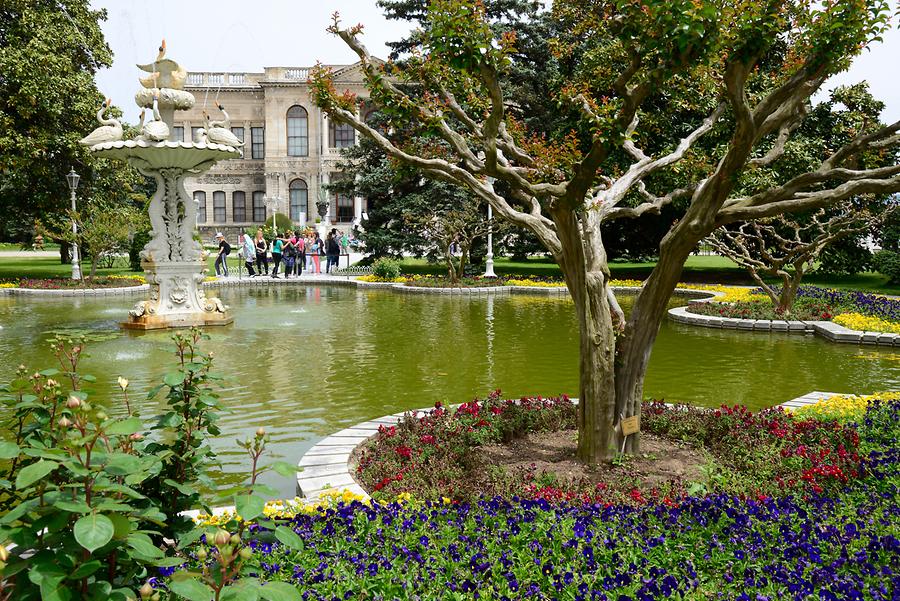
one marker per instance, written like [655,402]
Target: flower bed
[770,452]
[430,281]
[843,545]
[854,310]
[106,281]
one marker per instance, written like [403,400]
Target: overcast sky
[242,35]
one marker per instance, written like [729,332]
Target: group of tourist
[294,249]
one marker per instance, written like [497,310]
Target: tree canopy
[49,54]
[688,103]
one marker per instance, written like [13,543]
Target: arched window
[259,207]
[238,207]
[299,192]
[342,135]
[218,206]
[200,199]
[297,132]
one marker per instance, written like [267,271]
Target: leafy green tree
[49,54]
[735,78]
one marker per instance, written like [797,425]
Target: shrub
[386,269]
[138,242]
[887,262]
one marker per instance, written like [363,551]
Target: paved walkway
[20,254]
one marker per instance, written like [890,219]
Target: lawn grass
[698,269]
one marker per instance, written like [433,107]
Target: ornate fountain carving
[173,261]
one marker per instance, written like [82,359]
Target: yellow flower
[844,408]
[864,323]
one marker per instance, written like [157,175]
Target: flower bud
[137,436]
[155,597]
[246,553]
[146,591]
[64,422]
[73,403]
[260,432]
[235,539]
[101,415]
[123,383]
[221,538]
[4,553]
[51,383]
[201,554]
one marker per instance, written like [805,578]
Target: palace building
[291,150]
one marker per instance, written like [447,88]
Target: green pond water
[306,361]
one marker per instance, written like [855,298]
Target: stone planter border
[328,466]
[827,329]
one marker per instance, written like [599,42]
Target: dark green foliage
[49,54]
[386,269]
[848,256]
[887,262]
[138,242]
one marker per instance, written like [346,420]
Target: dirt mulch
[660,461]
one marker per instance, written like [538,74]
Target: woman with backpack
[289,251]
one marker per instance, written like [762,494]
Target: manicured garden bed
[840,543]
[111,281]
[852,309]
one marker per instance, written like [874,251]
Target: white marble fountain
[173,260]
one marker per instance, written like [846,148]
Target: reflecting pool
[305,361]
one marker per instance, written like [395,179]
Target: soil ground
[553,453]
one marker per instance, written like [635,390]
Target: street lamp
[489,258]
[73,179]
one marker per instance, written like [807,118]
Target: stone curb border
[328,466]
[82,292]
[827,329]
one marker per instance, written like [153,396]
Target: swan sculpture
[110,130]
[219,132]
[156,130]
[163,71]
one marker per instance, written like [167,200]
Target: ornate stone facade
[290,152]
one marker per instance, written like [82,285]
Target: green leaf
[289,538]
[124,427]
[190,537]
[249,506]
[73,506]
[279,591]
[191,589]
[174,378]
[246,589]
[288,470]
[85,570]
[169,562]
[122,464]
[143,545]
[122,525]
[8,450]
[34,472]
[185,489]
[93,531]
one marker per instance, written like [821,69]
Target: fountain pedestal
[173,260]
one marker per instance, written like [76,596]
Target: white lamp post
[73,179]
[489,258]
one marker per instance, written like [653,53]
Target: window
[238,207]
[200,199]
[297,132]
[342,135]
[259,207]
[178,134]
[238,133]
[219,206]
[195,133]
[344,208]
[257,142]
[299,193]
